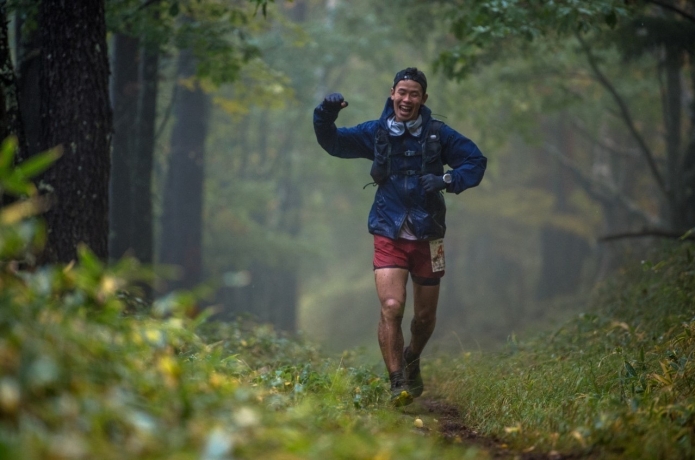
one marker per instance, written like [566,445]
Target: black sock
[411,358]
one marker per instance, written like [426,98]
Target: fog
[284,225]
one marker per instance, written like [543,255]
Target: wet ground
[441,418]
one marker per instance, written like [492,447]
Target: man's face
[407,98]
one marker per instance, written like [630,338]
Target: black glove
[432,183]
[334,102]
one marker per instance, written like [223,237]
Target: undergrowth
[80,380]
[617,381]
[88,372]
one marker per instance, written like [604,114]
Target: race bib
[437,255]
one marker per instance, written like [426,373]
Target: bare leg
[425,300]
[390,287]
[421,328]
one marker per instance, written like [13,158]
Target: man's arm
[465,157]
[355,142]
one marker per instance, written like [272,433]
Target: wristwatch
[446,178]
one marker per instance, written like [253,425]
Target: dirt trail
[451,428]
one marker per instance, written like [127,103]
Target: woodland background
[187,141]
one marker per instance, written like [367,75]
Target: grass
[617,381]
[85,375]
[81,378]
[86,372]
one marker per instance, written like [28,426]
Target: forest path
[445,418]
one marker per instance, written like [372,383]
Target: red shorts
[414,256]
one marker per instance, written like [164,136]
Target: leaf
[513,429]
[89,260]
[7,153]
[611,19]
[36,164]
[16,185]
[662,380]
[174,9]
[16,212]
[630,370]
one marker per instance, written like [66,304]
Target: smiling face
[407,98]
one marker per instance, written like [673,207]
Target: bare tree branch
[588,136]
[673,8]
[602,191]
[625,115]
[687,235]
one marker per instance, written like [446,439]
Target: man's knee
[392,308]
[425,317]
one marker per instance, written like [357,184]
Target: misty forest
[185,273]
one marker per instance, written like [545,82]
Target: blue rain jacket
[401,196]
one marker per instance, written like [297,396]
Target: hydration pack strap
[431,147]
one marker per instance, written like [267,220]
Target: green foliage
[650,34]
[273,195]
[220,34]
[616,381]
[15,179]
[20,233]
[84,375]
[82,380]
[484,27]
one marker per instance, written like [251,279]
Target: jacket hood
[388,112]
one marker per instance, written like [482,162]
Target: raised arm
[355,142]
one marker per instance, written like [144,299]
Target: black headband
[411,73]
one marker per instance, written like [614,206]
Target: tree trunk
[75,113]
[181,237]
[672,121]
[142,231]
[271,296]
[10,122]
[28,51]
[689,157]
[124,95]
[287,289]
[563,252]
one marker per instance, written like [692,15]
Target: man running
[408,150]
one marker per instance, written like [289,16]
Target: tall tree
[215,45]
[272,294]
[562,251]
[134,97]
[181,234]
[10,122]
[670,38]
[28,55]
[75,114]
[141,30]
[666,27]
[125,89]
[142,236]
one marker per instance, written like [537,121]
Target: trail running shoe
[413,377]
[400,396]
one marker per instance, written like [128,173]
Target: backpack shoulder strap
[434,128]
[381,166]
[432,149]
